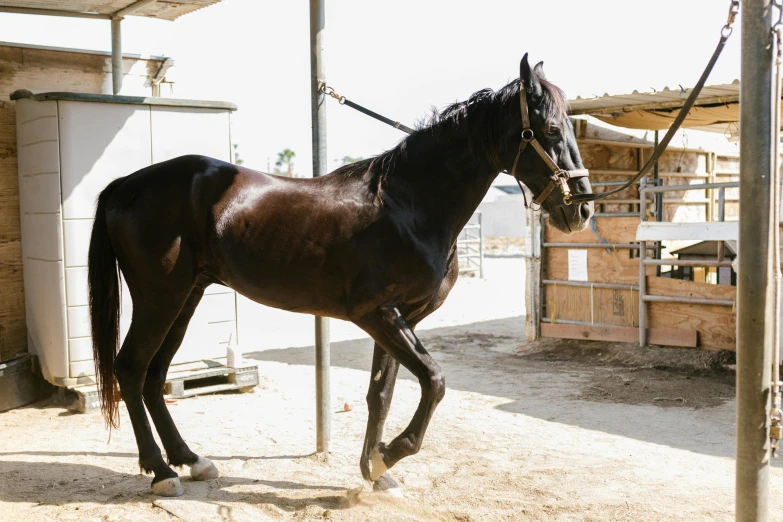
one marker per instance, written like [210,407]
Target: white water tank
[70,146]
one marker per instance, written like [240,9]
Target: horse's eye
[553,131]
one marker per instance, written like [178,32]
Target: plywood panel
[613,230]
[675,287]
[618,307]
[567,303]
[716,325]
[602,267]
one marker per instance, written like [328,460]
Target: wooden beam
[621,334]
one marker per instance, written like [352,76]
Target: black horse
[372,243]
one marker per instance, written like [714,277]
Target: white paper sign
[577,265]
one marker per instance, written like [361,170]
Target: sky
[401,58]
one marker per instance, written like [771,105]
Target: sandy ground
[546,431]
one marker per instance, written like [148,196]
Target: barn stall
[629,277]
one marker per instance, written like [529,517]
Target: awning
[716,108]
[162,9]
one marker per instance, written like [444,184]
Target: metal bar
[318,107]
[687,262]
[578,323]
[605,183]
[609,286]
[54,12]
[632,246]
[755,281]
[116,55]
[687,300]
[698,186]
[541,272]
[658,204]
[615,214]
[642,266]
[623,172]
[481,246]
[133,7]
[722,204]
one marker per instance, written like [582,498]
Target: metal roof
[716,108]
[130,100]
[666,98]
[708,249]
[162,9]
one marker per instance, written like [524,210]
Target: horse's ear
[529,78]
[539,70]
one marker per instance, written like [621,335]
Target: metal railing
[644,262]
[470,247]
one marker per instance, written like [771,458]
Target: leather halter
[560,176]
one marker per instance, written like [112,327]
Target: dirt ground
[547,431]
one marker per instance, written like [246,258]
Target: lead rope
[725,32]
[325,89]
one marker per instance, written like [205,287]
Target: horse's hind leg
[149,326]
[177,451]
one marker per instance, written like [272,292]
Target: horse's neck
[443,183]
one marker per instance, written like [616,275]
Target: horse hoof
[203,469]
[388,486]
[377,466]
[170,487]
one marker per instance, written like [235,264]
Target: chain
[727,29]
[325,89]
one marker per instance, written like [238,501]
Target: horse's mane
[484,114]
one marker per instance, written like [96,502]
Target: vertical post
[481,245]
[116,55]
[532,275]
[658,205]
[755,282]
[642,266]
[318,99]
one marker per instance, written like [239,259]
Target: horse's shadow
[59,483]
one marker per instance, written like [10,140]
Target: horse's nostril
[585,211]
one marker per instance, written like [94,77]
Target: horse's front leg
[379,398]
[389,329]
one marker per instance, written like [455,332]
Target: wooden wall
[609,158]
[41,70]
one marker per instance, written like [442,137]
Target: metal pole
[318,99]
[642,266]
[755,282]
[116,55]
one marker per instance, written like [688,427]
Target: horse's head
[548,132]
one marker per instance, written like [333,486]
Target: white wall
[504,216]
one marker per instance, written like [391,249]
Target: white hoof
[168,488]
[377,466]
[203,469]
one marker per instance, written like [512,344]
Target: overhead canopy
[162,9]
[716,108]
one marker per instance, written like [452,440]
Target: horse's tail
[105,294]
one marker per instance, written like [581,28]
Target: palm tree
[285,158]
[348,159]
